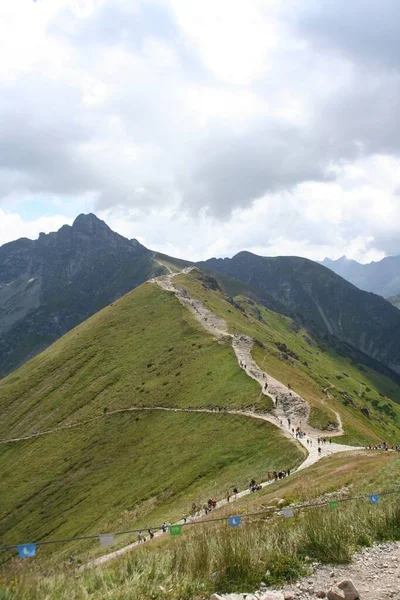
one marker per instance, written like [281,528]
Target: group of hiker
[383,446]
[275,475]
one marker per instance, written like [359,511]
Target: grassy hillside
[133,468]
[145,349]
[216,558]
[328,379]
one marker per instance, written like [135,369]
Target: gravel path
[288,404]
[375,572]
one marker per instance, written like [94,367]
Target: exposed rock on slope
[50,285]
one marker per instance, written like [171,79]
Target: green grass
[216,558]
[130,470]
[134,468]
[145,349]
[329,381]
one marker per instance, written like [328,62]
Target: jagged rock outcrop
[50,285]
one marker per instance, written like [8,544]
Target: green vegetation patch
[130,470]
[146,349]
[327,378]
[216,558]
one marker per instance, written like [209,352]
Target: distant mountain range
[382,277]
[322,301]
[50,285]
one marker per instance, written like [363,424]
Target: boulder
[272,596]
[288,596]
[336,593]
[349,589]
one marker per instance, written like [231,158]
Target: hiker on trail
[275,475]
[164,527]
[265,386]
[288,472]
[235,491]
[269,475]
[140,538]
[319,450]
[252,483]
[151,533]
[288,422]
[228,496]
[330,440]
[184,518]
[319,441]
[71,560]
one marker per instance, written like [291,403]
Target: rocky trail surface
[289,407]
[288,404]
[374,574]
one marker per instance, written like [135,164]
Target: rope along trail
[287,403]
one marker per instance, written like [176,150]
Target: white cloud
[204,128]
[13,227]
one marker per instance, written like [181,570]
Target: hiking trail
[287,404]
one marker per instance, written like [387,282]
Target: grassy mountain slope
[327,378]
[216,558]
[131,468]
[323,300]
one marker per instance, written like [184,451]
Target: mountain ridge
[380,277]
[322,299]
[49,285]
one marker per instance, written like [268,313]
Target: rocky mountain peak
[90,224]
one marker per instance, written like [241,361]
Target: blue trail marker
[235,521]
[26,550]
[374,498]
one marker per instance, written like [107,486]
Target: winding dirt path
[287,404]
[290,409]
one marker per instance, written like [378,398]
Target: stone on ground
[272,596]
[336,593]
[349,589]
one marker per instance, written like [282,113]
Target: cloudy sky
[205,127]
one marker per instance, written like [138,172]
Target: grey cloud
[45,123]
[118,23]
[363,31]
[236,170]
[129,25]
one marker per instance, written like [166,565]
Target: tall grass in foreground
[216,558]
